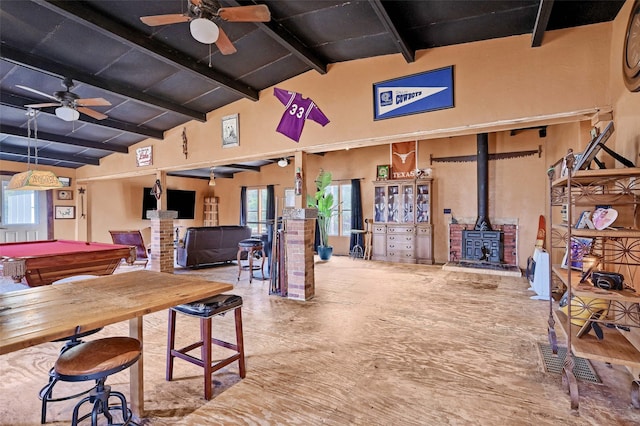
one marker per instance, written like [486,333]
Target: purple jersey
[298,110]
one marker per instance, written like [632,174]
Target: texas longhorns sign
[403,160]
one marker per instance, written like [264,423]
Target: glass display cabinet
[402,221]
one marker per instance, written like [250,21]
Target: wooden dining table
[42,314]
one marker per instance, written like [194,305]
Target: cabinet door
[423,203]
[379,242]
[407,204]
[393,204]
[424,245]
[380,205]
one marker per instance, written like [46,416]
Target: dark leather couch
[206,245]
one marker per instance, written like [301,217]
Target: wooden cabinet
[616,249]
[402,221]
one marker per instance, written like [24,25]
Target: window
[18,207]
[341,223]
[257,210]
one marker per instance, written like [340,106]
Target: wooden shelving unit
[618,250]
[210,211]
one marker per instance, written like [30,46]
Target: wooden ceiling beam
[47,155]
[19,102]
[542,20]
[58,70]
[64,140]
[84,14]
[286,40]
[408,53]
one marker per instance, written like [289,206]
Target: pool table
[43,262]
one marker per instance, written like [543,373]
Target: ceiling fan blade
[155,20]
[224,44]
[50,104]
[257,13]
[37,92]
[92,102]
[91,113]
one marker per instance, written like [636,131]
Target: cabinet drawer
[399,238]
[423,231]
[401,256]
[406,246]
[401,229]
[379,229]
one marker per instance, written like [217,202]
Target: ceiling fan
[202,13]
[69,104]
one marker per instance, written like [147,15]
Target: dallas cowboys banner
[427,91]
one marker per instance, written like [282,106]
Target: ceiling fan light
[283,162]
[204,30]
[67,114]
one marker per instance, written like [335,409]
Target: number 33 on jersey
[298,109]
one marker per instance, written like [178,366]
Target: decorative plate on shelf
[603,218]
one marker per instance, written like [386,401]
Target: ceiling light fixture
[283,162]
[204,30]
[212,178]
[67,113]
[34,180]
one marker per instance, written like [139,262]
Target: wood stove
[482,243]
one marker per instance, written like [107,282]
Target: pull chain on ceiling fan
[201,15]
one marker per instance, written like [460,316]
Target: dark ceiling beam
[286,40]
[19,102]
[65,140]
[46,155]
[542,20]
[84,14]
[408,53]
[243,167]
[58,70]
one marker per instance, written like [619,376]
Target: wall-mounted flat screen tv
[184,202]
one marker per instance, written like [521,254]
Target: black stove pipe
[482,223]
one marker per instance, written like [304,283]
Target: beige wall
[499,85]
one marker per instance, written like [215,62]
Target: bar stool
[357,251]
[97,360]
[206,309]
[251,246]
[46,393]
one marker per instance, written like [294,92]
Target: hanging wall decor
[230,131]
[144,156]
[298,110]
[413,94]
[403,160]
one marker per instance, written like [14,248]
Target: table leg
[136,375]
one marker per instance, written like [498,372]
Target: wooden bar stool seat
[251,246]
[97,360]
[205,310]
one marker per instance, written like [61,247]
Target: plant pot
[325,252]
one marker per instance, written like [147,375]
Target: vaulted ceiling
[158,77]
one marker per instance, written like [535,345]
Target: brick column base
[162,235]
[300,225]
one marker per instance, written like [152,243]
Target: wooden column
[162,235]
[300,225]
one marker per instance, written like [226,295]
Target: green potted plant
[324,202]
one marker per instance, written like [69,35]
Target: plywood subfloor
[380,344]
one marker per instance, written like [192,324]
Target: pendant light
[34,180]
[212,178]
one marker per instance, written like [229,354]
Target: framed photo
[65,181]
[383,172]
[230,131]
[65,212]
[593,148]
[144,156]
[579,247]
[413,94]
[65,194]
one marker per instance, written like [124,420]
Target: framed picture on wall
[382,172]
[230,131]
[65,194]
[65,212]
[65,181]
